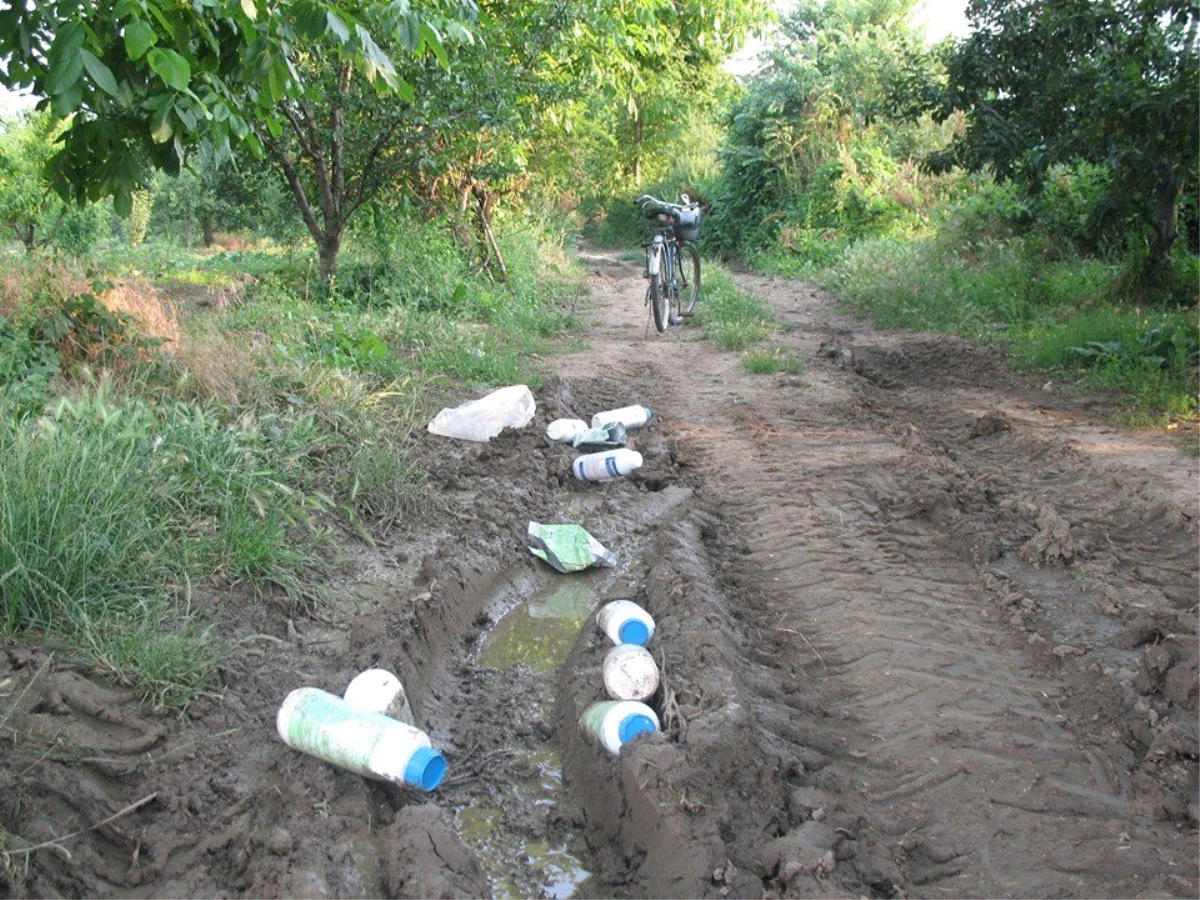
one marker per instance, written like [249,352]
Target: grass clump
[772,361]
[732,318]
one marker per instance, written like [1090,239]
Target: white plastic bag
[483,419]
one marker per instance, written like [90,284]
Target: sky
[943,17]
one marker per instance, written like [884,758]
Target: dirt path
[925,630]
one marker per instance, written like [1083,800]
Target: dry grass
[140,300]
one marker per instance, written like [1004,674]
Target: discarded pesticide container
[630,416]
[565,429]
[568,548]
[366,743]
[625,622]
[607,465]
[378,690]
[630,673]
[614,723]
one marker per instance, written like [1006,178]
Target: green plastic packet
[568,548]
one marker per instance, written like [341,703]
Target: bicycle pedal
[686,315]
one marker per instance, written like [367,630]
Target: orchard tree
[27,207]
[1047,83]
[142,82]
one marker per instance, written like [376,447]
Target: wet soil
[925,628]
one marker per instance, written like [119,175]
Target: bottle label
[610,463]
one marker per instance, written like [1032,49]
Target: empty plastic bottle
[565,429]
[630,673]
[606,465]
[614,723]
[366,743]
[625,622]
[629,416]
[378,690]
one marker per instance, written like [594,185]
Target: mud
[925,629]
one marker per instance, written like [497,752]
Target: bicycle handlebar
[646,200]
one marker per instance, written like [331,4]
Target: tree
[142,82]
[27,206]
[1048,83]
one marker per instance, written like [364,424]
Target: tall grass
[1055,314]
[109,506]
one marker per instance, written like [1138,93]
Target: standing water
[511,840]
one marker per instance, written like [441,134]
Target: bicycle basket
[688,226]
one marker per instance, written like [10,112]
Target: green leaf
[64,69]
[101,74]
[160,125]
[139,37]
[249,9]
[337,26]
[173,69]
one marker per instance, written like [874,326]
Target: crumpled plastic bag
[568,548]
[483,419]
[596,440]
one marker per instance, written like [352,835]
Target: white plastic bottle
[366,743]
[630,416]
[606,465]
[565,429]
[378,690]
[625,622]
[630,673]
[614,723]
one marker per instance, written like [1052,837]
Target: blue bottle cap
[649,413]
[634,631]
[425,769]
[632,726]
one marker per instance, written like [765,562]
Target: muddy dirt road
[926,630]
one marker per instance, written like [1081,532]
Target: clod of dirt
[990,423]
[1053,544]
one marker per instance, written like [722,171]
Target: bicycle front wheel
[689,278]
[660,296]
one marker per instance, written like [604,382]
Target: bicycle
[672,260]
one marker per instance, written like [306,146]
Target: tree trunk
[206,226]
[1163,218]
[328,248]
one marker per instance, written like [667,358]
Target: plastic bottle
[630,416]
[366,743]
[486,417]
[614,723]
[565,429]
[606,465]
[630,673]
[378,690]
[625,622]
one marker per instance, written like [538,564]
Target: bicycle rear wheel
[689,278]
[660,296]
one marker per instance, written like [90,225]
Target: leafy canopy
[143,81]
[1046,83]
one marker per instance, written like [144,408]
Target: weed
[769,361]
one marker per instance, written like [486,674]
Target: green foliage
[819,151]
[141,85]
[1113,84]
